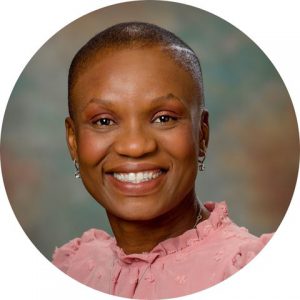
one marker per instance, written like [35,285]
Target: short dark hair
[136,35]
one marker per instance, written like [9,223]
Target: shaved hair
[133,35]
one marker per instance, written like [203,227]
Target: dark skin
[137,111]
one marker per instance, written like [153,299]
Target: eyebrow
[168,97]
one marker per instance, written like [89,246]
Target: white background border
[26,25]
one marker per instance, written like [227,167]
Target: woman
[137,132]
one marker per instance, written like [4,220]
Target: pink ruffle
[218,218]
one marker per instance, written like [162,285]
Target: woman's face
[136,132]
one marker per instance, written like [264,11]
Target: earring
[201,165]
[77,173]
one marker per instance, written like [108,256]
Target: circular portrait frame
[261,262]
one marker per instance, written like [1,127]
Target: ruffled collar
[218,218]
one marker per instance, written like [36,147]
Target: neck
[143,236]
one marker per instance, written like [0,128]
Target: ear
[203,132]
[71,137]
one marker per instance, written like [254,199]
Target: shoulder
[232,244]
[248,247]
[83,247]
[241,247]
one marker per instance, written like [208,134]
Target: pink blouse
[193,261]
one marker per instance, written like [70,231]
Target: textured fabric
[193,261]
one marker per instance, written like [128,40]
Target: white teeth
[137,177]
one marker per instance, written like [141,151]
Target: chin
[136,211]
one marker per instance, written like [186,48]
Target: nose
[135,142]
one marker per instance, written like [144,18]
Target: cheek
[91,146]
[180,143]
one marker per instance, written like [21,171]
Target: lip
[136,189]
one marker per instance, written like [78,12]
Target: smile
[138,177]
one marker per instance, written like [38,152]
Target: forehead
[140,73]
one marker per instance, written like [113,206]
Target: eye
[164,119]
[104,122]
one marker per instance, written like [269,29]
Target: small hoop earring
[201,165]
[77,173]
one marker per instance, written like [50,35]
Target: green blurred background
[253,154]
